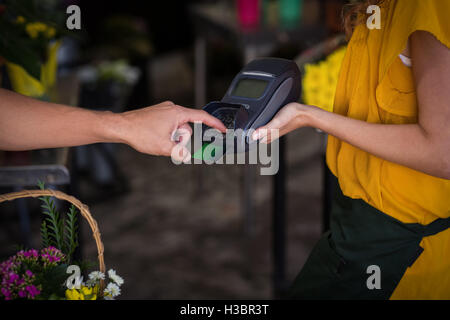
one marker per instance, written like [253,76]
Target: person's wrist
[112,127]
[305,115]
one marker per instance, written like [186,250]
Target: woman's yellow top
[375,86]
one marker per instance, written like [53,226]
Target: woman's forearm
[27,124]
[405,144]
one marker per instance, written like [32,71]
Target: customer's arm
[27,124]
[424,146]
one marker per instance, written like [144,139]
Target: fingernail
[255,135]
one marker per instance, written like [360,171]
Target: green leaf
[57,230]
[53,281]
[54,224]
[44,235]
[71,236]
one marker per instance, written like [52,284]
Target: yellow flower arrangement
[320,80]
[34,29]
[21,81]
[27,42]
[25,84]
[89,290]
[84,293]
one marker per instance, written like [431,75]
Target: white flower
[91,283]
[112,289]
[115,277]
[96,275]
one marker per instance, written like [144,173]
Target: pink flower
[51,256]
[16,278]
[28,255]
[32,291]
[13,277]
[6,293]
[22,293]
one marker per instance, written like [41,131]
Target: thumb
[265,131]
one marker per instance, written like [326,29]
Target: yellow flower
[320,80]
[51,32]
[73,294]
[84,293]
[95,289]
[20,20]
[90,293]
[35,28]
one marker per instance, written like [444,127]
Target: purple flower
[6,292]
[16,278]
[13,277]
[9,265]
[32,291]
[22,293]
[51,256]
[29,255]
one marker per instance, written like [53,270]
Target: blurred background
[176,231]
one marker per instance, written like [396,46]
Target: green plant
[56,230]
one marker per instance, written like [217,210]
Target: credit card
[208,151]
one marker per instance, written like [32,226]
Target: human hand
[154,130]
[292,116]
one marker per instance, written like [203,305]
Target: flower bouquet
[50,273]
[29,43]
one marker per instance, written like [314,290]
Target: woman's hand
[158,129]
[292,116]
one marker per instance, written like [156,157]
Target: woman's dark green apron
[360,236]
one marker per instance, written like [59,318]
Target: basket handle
[82,207]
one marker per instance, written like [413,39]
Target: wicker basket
[80,206]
